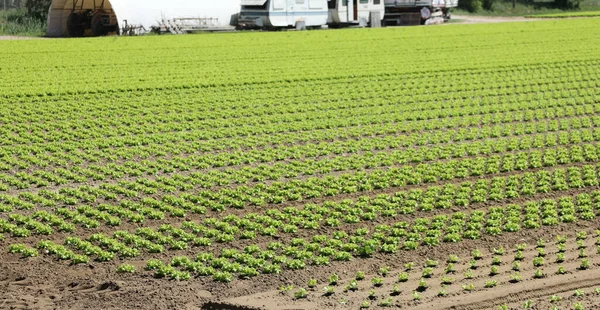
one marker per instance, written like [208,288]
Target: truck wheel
[425,15]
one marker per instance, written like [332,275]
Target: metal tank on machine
[415,12]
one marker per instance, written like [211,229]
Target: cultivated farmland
[425,167]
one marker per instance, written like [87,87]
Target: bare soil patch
[45,283]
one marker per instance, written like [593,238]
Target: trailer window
[299,1]
[344,2]
[364,1]
[376,1]
[331,4]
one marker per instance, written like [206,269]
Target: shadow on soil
[224,306]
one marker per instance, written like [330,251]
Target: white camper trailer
[282,13]
[354,11]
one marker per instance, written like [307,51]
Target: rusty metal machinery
[96,21]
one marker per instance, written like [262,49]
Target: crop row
[307,151]
[447,196]
[296,253]
[293,168]
[388,110]
[482,271]
[404,121]
[270,62]
[268,93]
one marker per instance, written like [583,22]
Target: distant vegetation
[24,17]
[17,22]
[526,7]
[567,15]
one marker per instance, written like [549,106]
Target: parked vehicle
[283,13]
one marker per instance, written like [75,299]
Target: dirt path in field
[466,19]
[516,294]
[9,38]
[45,283]
[507,292]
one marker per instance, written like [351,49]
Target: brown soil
[506,291]
[45,283]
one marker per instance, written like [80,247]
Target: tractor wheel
[98,28]
[74,25]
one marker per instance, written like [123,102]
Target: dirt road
[467,19]
[6,38]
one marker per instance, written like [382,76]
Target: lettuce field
[436,167]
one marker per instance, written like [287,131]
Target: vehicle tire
[447,14]
[74,25]
[425,13]
[98,28]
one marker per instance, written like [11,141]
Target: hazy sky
[220,8]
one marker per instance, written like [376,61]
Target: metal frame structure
[143,14]
[98,19]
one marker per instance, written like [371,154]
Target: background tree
[38,8]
